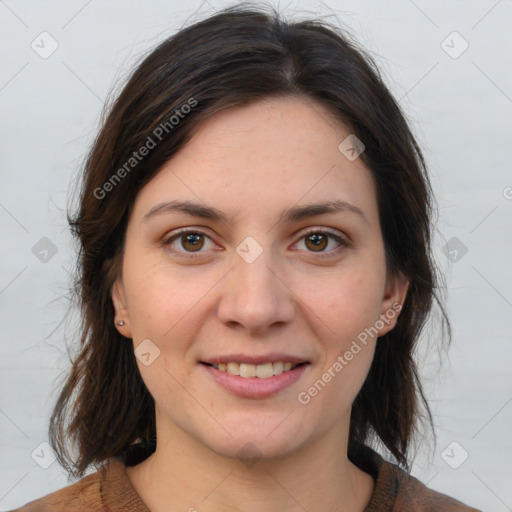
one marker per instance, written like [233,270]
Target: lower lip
[254,387]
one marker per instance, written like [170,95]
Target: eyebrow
[293,214]
[297,213]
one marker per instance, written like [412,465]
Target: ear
[392,302]
[118,296]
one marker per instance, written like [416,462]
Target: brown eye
[189,242]
[317,241]
[323,243]
[192,242]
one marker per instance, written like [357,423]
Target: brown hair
[241,54]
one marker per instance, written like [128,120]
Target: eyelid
[175,233]
[326,231]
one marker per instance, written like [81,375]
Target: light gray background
[460,108]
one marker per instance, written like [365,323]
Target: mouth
[260,371]
[257,379]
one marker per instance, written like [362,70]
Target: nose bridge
[254,294]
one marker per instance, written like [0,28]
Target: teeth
[233,368]
[247,370]
[278,368]
[262,371]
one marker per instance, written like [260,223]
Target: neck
[183,474]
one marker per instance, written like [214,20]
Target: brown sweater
[110,490]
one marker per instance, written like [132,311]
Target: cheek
[346,305]
[347,302]
[160,301]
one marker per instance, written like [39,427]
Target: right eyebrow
[188,207]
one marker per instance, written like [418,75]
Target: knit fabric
[110,490]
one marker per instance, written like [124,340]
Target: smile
[249,380]
[261,371]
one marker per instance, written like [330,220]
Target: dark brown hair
[239,55]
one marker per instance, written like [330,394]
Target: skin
[252,163]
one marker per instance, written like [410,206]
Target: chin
[249,450]
[259,439]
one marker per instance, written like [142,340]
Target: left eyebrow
[311,210]
[293,214]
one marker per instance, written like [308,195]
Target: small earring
[120,323]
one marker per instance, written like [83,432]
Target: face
[267,276]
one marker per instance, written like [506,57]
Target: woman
[255,271]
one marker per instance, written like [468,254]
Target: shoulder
[397,491]
[413,495]
[91,493]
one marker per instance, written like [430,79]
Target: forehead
[256,158]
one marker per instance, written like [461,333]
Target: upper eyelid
[328,231]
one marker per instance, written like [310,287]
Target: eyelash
[321,254]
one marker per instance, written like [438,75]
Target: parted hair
[238,55]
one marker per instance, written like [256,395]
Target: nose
[255,296]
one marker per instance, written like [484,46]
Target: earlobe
[121,317]
[393,301]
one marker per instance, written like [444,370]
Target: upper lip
[249,359]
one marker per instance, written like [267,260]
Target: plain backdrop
[448,63]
